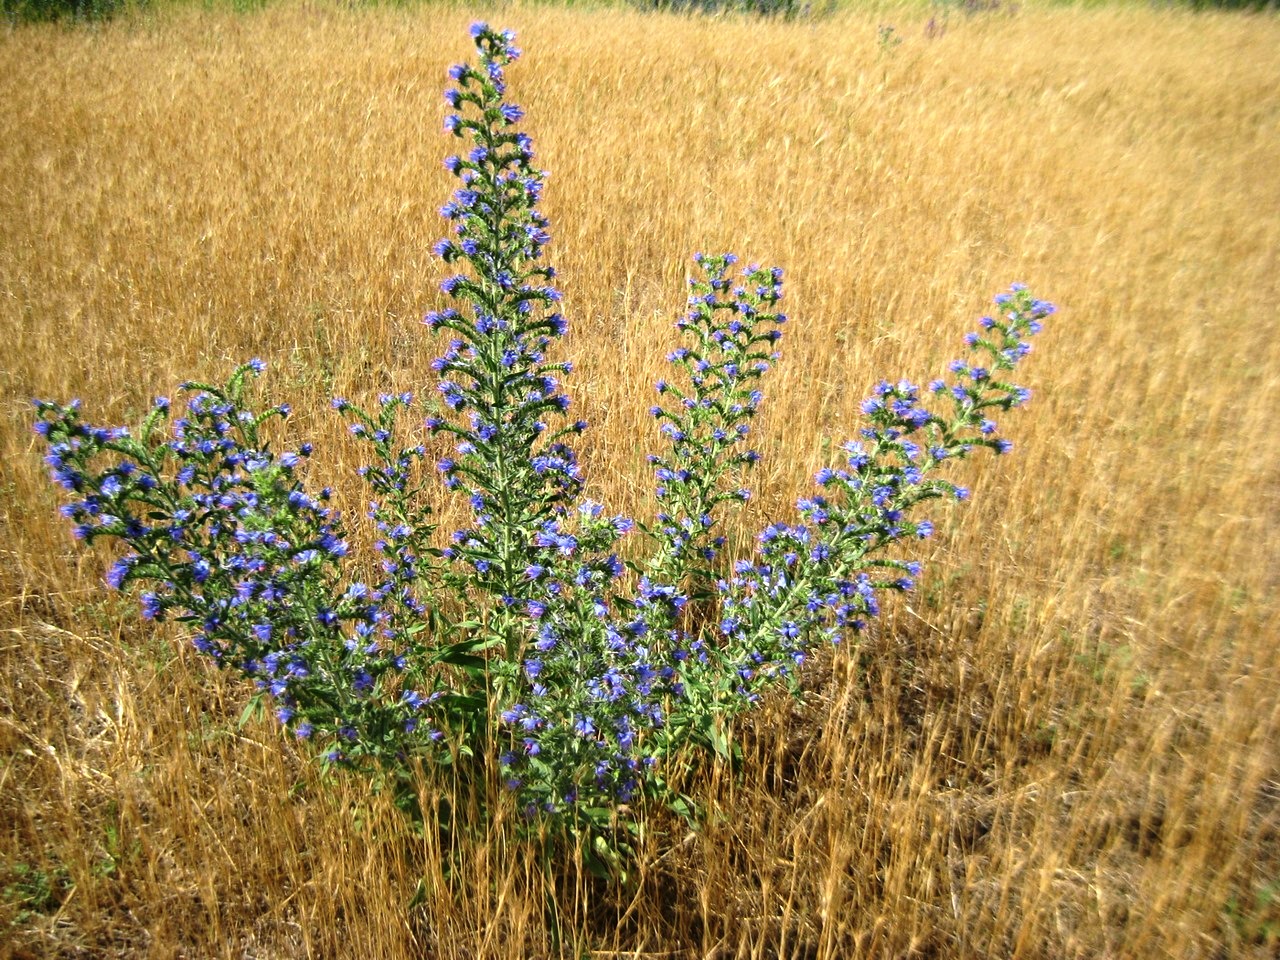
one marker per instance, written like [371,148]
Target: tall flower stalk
[513,459]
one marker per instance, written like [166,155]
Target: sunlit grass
[1063,744]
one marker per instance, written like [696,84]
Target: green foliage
[782,9]
[26,11]
[32,890]
[1256,6]
[1256,918]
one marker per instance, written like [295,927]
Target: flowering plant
[577,678]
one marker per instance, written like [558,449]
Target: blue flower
[120,571]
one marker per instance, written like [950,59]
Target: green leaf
[682,807]
[459,658]
[254,709]
[600,858]
[716,737]
[419,894]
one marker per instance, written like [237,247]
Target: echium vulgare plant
[578,680]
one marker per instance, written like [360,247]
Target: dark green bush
[41,10]
[784,9]
[1257,6]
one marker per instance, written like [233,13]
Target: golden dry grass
[1064,745]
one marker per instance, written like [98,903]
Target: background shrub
[44,10]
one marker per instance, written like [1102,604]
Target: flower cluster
[512,461]
[593,677]
[402,516]
[231,543]
[731,331]
[591,691]
[819,579]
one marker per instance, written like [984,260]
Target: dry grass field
[1065,743]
